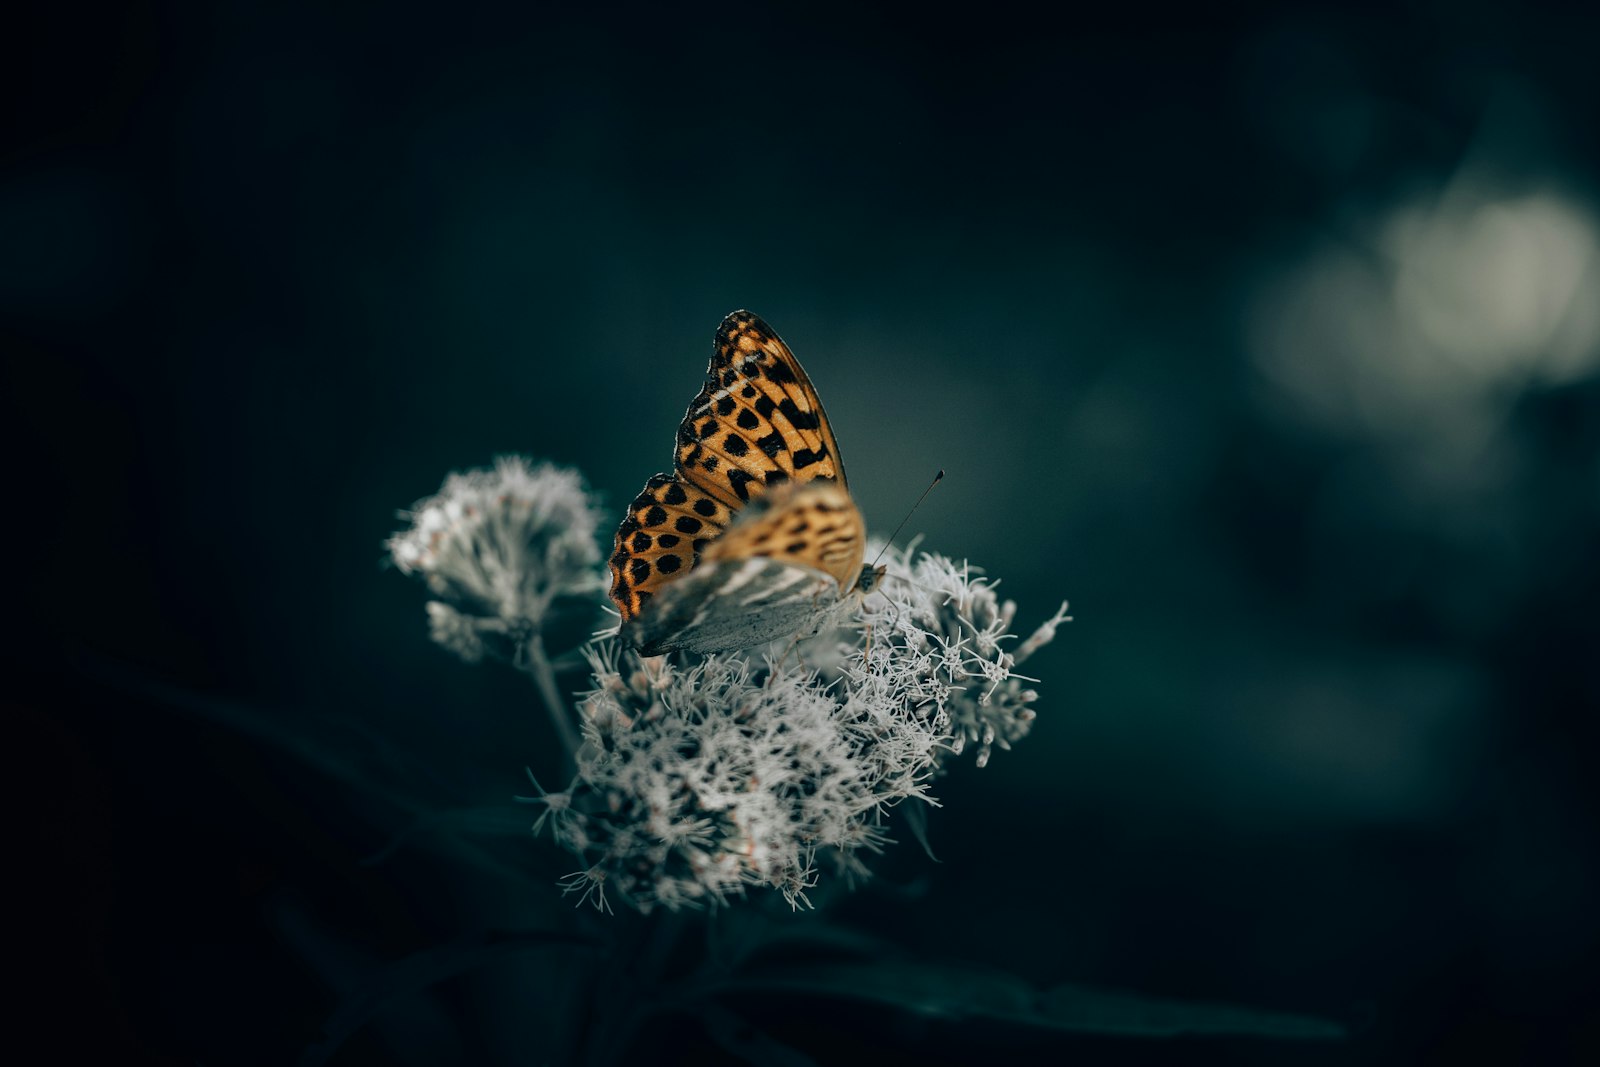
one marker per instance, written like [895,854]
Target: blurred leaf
[739,935]
[738,1037]
[947,992]
[417,972]
[1106,1011]
[500,820]
[810,943]
[961,993]
[916,817]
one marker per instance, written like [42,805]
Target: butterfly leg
[794,643]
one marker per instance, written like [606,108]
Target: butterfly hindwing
[816,525]
[732,604]
[778,565]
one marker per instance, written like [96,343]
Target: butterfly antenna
[937,478]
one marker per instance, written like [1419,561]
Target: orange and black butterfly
[754,533]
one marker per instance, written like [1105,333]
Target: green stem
[560,714]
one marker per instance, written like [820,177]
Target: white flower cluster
[701,777]
[705,776]
[497,547]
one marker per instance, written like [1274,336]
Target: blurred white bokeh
[1497,289]
[1432,316]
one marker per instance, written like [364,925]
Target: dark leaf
[499,820]
[960,993]
[739,935]
[1104,1011]
[739,1038]
[416,973]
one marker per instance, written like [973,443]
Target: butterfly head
[870,578]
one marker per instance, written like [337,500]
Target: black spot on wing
[747,420]
[640,569]
[674,494]
[771,444]
[725,406]
[740,481]
[801,420]
[668,564]
[806,457]
[667,540]
[734,445]
[688,524]
[641,541]
[705,506]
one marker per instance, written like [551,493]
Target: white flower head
[460,633]
[498,546]
[704,777]
[701,779]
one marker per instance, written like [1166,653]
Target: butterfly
[754,533]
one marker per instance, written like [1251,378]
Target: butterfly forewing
[757,421]
[755,424]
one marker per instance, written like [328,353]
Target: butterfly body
[754,532]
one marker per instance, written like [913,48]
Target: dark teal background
[1319,739]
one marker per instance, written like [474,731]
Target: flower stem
[560,714]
